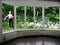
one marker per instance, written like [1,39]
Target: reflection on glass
[28,43]
[51,17]
[30,19]
[49,43]
[38,43]
[20,17]
[38,17]
[58,43]
[20,44]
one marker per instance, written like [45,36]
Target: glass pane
[38,17]
[28,43]
[52,17]
[49,43]
[30,19]
[38,43]
[58,43]
[20,17]
[20,44]
[7,22]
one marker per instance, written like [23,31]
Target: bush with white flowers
[37,25]
[40,25]
[30,24]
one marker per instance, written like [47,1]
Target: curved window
[31,17]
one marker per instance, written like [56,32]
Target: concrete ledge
[29,32]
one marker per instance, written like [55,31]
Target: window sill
[13,30]
[11,34]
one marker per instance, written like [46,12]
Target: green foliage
[6,8]
[30,26]
[5,26]
[52,13]
[19,25]
[20,18]
[52,10]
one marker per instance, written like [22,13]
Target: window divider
[43,17]
[34,16]
[14,17]
[25,16]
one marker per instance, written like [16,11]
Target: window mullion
[43,16]
[25,16]
[14,17]
[34,16]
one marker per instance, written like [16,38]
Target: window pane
[51,17]
[28,43]
[38,43]
[7,24]
[20,17]
[20,44]
[38,17]
[49,43]
[58,43]
[30,19]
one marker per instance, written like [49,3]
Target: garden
[51,17]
